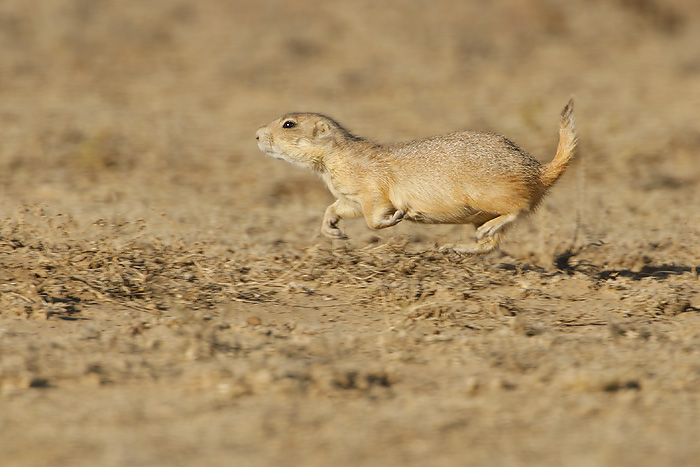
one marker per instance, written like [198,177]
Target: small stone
[254,321]
[472,385]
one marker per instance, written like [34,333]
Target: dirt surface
[166,298]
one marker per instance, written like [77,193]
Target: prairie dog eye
[289,124]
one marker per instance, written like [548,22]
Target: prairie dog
[466,177]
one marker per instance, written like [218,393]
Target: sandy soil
[166,298]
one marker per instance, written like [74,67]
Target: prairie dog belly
[465,215]
[438,211]
[446,203]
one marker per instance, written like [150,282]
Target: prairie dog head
[300,138]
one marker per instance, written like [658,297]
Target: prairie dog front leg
[341,209]
[380,213]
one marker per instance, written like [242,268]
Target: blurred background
[148,109]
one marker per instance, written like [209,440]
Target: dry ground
[165,298]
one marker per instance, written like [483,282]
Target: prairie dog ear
[322,129]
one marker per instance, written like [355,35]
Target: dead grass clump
[50,269]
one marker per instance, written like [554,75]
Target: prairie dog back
[498,174]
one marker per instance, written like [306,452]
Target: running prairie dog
[467,177]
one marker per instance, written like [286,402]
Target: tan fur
[466,177]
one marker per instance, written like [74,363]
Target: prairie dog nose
[262,133]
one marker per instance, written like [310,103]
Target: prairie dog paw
[390,221]
[331,230]
[336,234]
[479,247]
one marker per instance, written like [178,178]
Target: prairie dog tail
[565,149]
